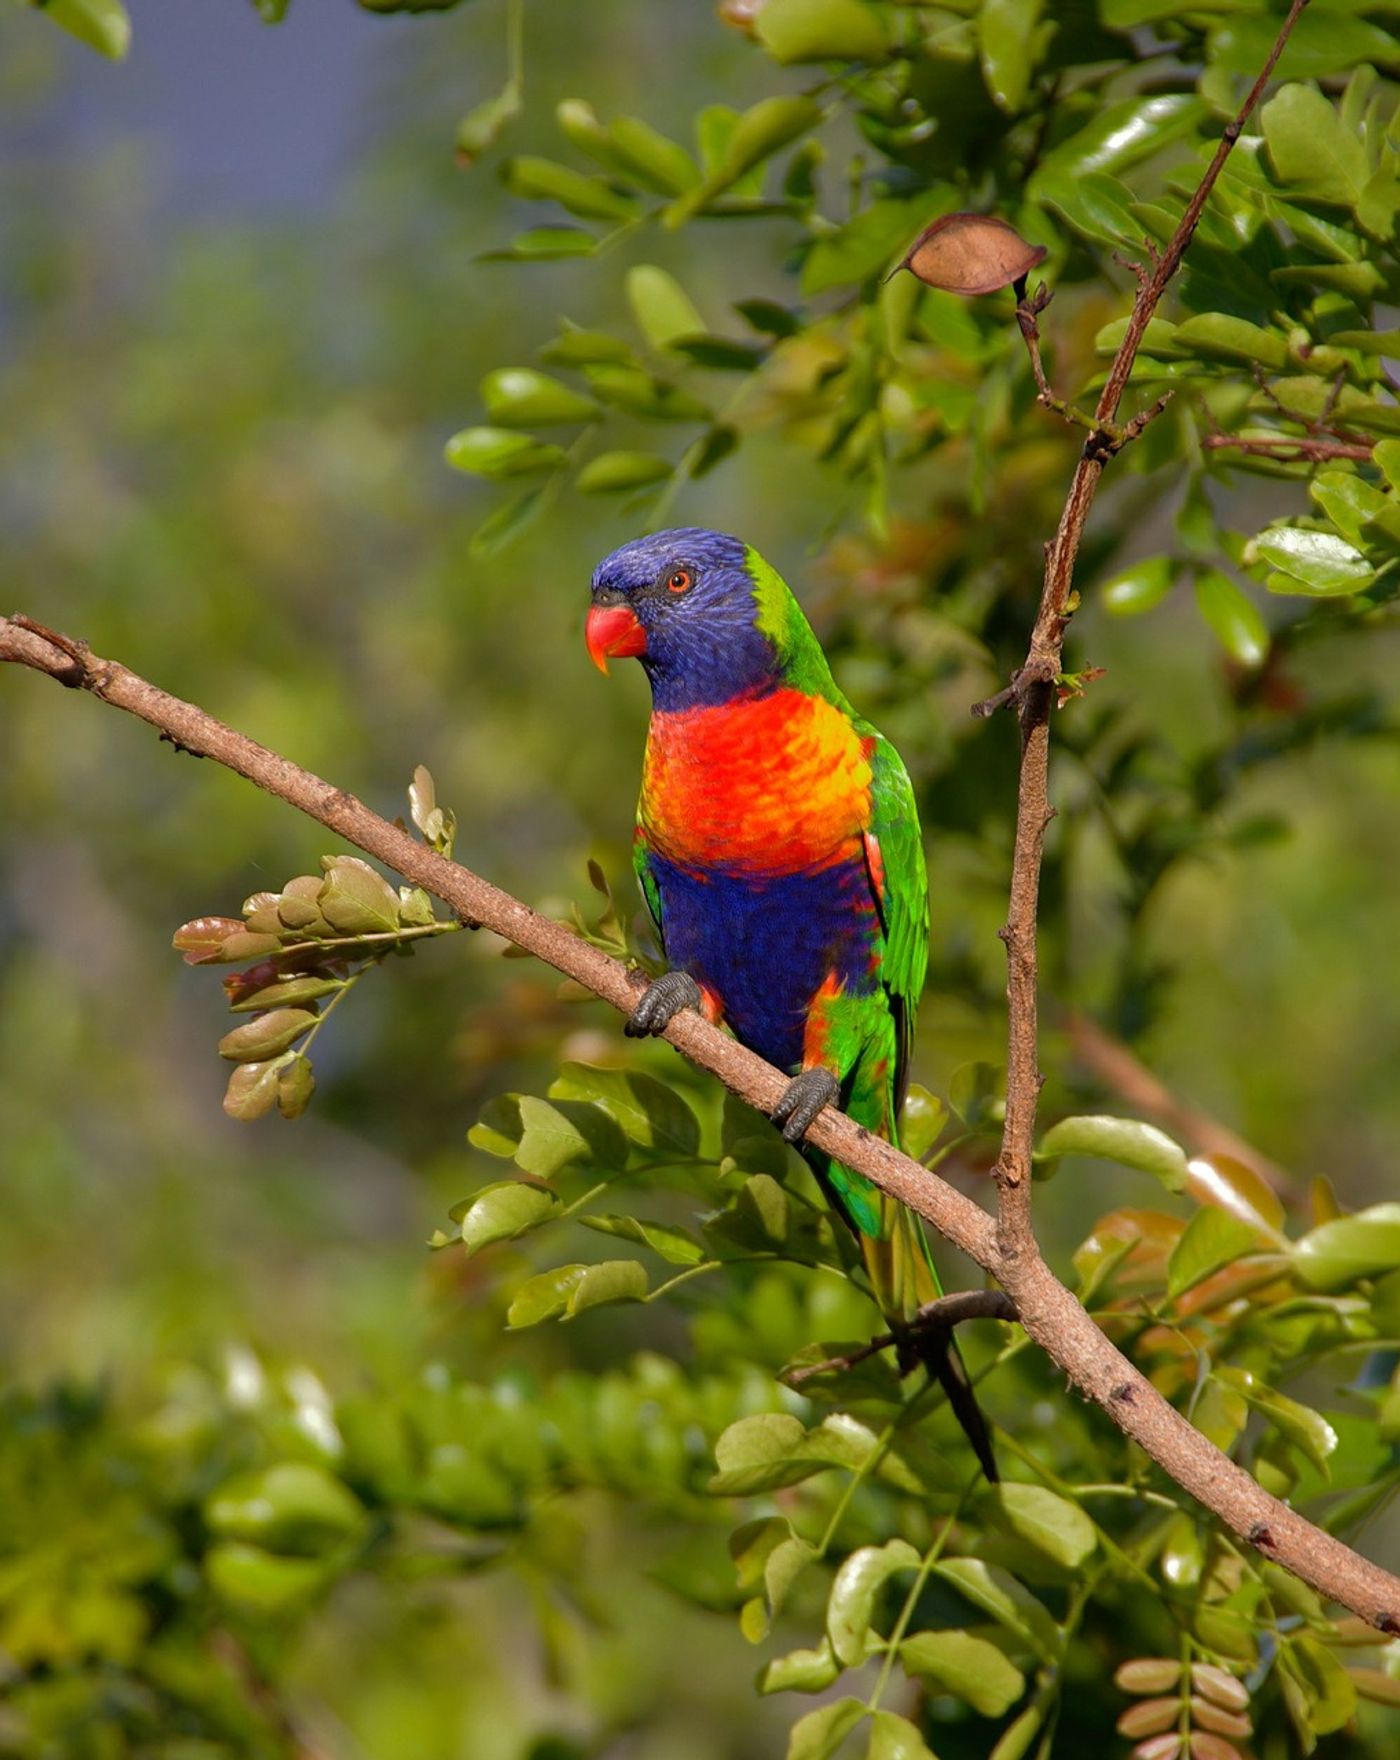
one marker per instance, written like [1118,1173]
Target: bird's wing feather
[895,856]
[646,879]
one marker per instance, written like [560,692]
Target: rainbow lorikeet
[779,852]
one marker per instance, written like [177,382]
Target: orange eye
[680,581]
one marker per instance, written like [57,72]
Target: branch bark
[1048,1311]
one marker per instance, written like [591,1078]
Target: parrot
[778,849]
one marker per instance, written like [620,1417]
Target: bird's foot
[661,1002]
[806,1095]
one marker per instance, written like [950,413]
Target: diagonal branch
[1031,691]
[1048,1311]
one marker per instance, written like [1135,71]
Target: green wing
[901,888]
[646,879]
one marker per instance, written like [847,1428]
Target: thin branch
[1290,448]
[1048,1311]
[1031,692]
[941,1315]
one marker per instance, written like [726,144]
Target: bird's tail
[902,1275]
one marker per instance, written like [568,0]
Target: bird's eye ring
[679,581]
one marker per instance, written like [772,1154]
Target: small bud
[1219,1686]
[1224,1723]
[1158,1748]
[1149,1716]
[971,254]
[299,913]
[295,1085]
[1148,1674]
[202,940]
[1208,1747]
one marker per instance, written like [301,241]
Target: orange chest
[774,785]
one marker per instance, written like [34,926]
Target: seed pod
[1148,1674]
[1224,1723]
[1208,1747]
[1149,1716]
[971,254]
[1158,1748]
[1219,1686]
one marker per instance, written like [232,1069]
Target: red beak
[613,632]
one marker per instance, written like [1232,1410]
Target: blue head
[684,603]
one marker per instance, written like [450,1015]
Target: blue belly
[765,944]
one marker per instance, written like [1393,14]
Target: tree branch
[1291,448]
[1048,1311]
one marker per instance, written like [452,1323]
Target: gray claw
[806,1094]
[661,1002]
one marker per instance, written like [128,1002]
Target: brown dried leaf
[971,254]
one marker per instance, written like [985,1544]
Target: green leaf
[355,900]
[801,1671]
[1331,1694]
[759,133]
[292,1507]
[544,244]
[1138,587]
[757,1453]
[522,397]
[653,158]
[1043,1519]
[1233,618]
[296,1083]
[483,126]
[1349,501]
[1121,134]
[569,1289]
[266,1034]
[497,452]
[101,24]
[1211,1239]
[866,245]
[642,394]
[1094,203]
[675,1245]
[1008,1602]
[504,1211]
[1218,336]
[1350,1247]
[560,1134]
[852,1600]
[612,472]
[1319,564]
[650,1113]
[661,306]
[922,1122]
[894,1738]
[252,1089]
[820,30]
[1311,149]
[769,1558]
[1128,1141]
[820,1733]
[1006,32]
[591,198]
[260,1583]
[958,1662]
[574,347]
[1324,41]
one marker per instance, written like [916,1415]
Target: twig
[1048,1311]
[1290,448]
[1032,694]
[941,1315]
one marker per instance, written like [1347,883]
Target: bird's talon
[805,1097]
[661,1002]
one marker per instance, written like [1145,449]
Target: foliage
[615,1390]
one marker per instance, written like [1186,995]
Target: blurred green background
[243,306]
